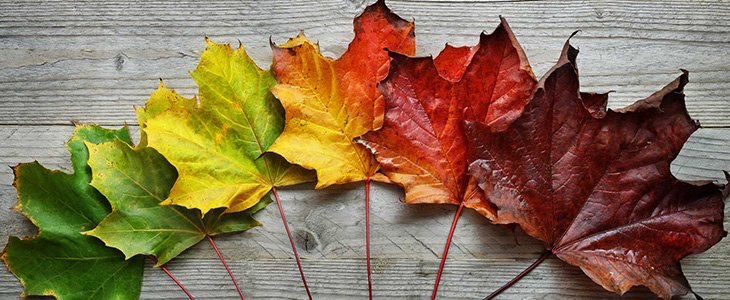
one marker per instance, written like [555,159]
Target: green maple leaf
[218,145]
[60,261]
[135,181]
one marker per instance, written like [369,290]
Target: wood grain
[93,60]
[394,279]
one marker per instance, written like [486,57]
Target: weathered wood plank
[406,239]
[396,278]
[91,61]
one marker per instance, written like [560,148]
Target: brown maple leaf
[595,186]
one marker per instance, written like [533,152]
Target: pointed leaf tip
[380,7]
[726,189]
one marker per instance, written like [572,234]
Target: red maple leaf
[422,145]
[595,186]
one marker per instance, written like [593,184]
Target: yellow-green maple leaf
[218,144]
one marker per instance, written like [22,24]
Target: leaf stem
[367,235]
[446,250]
[291,241]
[154,259]
[238,288]
[529,269]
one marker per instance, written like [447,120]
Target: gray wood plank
[396,278]
[407,240]
[91,61]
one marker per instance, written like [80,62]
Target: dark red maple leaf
[595,186]
[422,145]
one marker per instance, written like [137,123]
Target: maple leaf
[218,145]
[595,186]
[331,102]
[60,261]
[422,145]
[135,181]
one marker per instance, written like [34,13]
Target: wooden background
[93,60]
